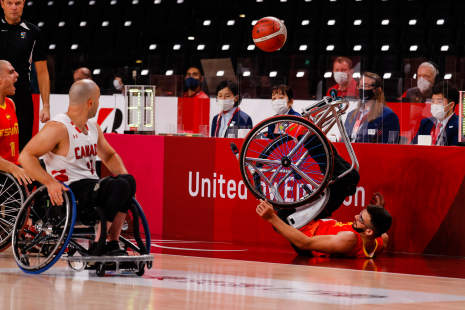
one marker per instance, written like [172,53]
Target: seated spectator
[426,77]
[228,98]
[82,74]
[122,77]
[282,99]
[343,72]
[443,125]
[194,79]
[372,120]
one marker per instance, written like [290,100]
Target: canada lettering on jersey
[85,151]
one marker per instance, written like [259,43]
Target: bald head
[82,91]
[3,65]
[82,74]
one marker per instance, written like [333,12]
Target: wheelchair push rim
[289,168]
[11,199]
[128,237]
[42,232]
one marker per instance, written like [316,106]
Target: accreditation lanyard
[358,123]
[218,122]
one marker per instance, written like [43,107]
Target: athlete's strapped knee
[131,181]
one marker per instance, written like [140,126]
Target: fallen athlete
[363,238]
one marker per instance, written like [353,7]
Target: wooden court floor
[193,282]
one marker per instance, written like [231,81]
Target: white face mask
[280,106]
[438,111]
[225,105]
[423,84]
[117,85]
[341,77]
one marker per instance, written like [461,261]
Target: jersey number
[12,145]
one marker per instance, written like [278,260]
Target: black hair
[196,66]
[285,90]
[448,90]
[234,89]
[380,219]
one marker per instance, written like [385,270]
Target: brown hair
[342,59]
[283,89]
[377,109]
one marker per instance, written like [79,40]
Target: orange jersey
[333,227]
[9,138]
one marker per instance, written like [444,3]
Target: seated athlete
[9,138]
[364,238]
[70,144]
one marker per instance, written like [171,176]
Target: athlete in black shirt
[22,43]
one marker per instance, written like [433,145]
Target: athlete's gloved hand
[377,199]
[54,192]
[265,210]
[21,176]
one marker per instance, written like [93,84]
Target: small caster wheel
[101,270]
[141,271]
[149,265]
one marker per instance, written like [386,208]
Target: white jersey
[80,162]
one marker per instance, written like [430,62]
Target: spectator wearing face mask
[443,125]
[122,78]
[342,72]
[229,99]
[282,99]
[426,77]
[372,120]
[194,79]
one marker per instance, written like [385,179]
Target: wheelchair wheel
[42,231]
[290,168]
[12,196]
[129,236]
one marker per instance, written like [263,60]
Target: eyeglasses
[366,86]
[360,219]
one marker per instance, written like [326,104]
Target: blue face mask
[192,83]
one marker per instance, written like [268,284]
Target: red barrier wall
[422,185]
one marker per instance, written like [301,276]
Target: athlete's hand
[44,115]
[54,192]
[265,210]
[377,199]
[21,176]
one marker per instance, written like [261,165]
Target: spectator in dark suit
[372,120]
[229,99]
[282,99]
[443,125]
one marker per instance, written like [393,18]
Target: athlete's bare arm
[341,243]
[108,155]
[52,138]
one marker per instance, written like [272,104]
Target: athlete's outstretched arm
[331,244]
[45,141]
[108,155]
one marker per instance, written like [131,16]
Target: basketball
[269,34]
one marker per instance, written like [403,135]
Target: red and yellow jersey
[333,227]
[9,132]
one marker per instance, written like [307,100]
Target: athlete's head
[8,77]
[373,221]
[13,10]
[82,74]
[85,95]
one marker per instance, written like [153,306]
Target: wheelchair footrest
[109,259]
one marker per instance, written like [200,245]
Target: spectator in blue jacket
[282,99]
[372,120]
[229,99]
[443,126]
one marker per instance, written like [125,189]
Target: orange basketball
[269,34]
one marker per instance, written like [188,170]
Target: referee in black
[22,43]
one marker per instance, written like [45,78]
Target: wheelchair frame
[65,229]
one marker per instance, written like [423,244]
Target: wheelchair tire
[144,231]
[41,225]
[299,161]
[12,197]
